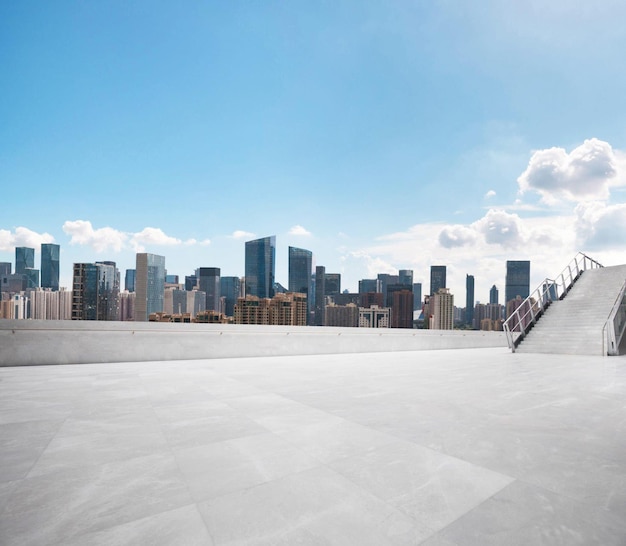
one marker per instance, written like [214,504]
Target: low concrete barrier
[32,342]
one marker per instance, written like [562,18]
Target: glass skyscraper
[517,280]
[229,289]
[437,278]
[261,267]
[209,283]
[301,275]
[95,291]
[24,259]
[149,285]
[129,280]
[50,266]
[469,299]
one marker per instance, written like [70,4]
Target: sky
[379,135]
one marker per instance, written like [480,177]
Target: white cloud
[455,236]
[586,173]
[299,230]
[22,237]
[490,194]
[239,234]
[152,236]
[83,233]
[501,228]
[601,227]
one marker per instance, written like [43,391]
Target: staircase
[574,325]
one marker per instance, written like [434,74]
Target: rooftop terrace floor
[441,448]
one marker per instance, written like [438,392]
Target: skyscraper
[517,280]
[149,285]
[50,266]
[493,295]
[300,274]
[229,289]
[469,299]
[129,280]
[320,291]
[405,276]
[209,283]
[260,267]
[437,278]
[333,284]
[95,291]
[24,259]
[417,296]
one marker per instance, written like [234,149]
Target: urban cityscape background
[313,297]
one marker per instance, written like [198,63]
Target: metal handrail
[612,333]
[530,310]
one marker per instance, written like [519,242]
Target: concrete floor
[440,448]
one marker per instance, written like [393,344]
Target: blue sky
[380,135]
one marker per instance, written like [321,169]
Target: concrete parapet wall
[28,343]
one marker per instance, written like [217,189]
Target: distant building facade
[149,285]
[260,266]
[50,254]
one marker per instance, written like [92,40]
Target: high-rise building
[517,280]
[469,299]
[320,295]
[260,267]
[370,285]
[405,276]
[370,299]
[300,274]
[129,280]
[385,280]
[417,296]
[95,291]
[191,282]
[437,278]
[24,259]
[442,310]
[493,295]
[209,282]
[333,284]
[50,254]
[149,285]
[230,289]
[32,277]
[5,268]
[401,308]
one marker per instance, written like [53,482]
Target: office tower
[129,280]
[493,295]
[517,280]
[230,289]
[417,296]
[437,278]
[401,308]
[469,299]
[191,282]
[370,285]
[149,285]
[50,266]
[405,276]
[346,316]
[320,292]
[127,306]
[171,279]
[95,291]
[442,310]
[32,277]
[345,298]
[209,283]
[333,284]
[260,267]
[300,271]
[370,299]
[24,259]
[385,280]
[5,268]
[392,289]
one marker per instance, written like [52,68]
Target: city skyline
[379,137]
